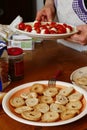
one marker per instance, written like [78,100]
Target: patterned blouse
[70,8]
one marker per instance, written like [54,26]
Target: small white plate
[48,36]
[9,112]
[77,77]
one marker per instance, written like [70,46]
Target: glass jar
[16,63]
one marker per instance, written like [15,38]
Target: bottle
[16,63]
[4,66]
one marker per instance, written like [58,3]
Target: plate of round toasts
[79,77]
[37,104]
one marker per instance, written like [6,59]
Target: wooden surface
[42,63]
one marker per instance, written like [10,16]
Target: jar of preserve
[16,63]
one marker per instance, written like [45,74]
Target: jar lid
[14,51]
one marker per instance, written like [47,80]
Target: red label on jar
[19,68]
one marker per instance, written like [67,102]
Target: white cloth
[72,12]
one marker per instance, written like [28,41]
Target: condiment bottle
[16,64]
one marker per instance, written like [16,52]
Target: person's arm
[47,13]
[49,2]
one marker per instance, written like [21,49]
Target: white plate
[5,104]
[79,73]
[48,36]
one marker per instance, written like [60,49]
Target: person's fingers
[73,40]
[43,18]
[78,38]
[39,16]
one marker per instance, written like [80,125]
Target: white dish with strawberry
[46,30]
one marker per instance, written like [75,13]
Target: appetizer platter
[46,30]
[37,104]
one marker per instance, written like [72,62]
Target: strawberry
[28,28]
[21,26]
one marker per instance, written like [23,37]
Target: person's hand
[81,36]
[46,14]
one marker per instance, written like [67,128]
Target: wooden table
[42,63]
